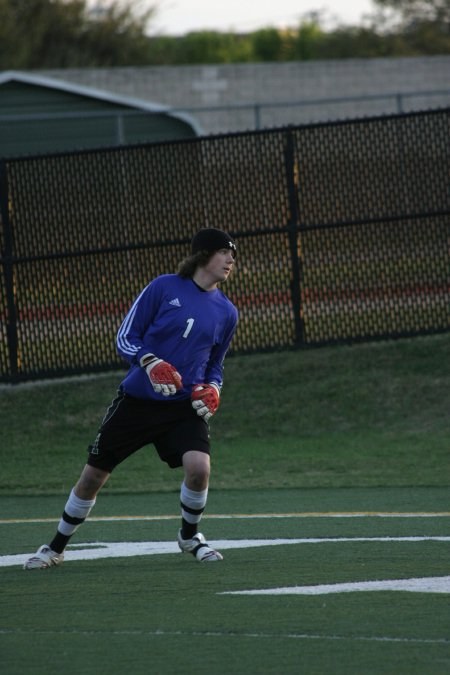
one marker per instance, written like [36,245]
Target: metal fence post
[257,109]
[120,135]
[8,272]
[292,230]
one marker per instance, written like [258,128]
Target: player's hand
[165,379]
[205,400]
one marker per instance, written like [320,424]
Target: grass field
[330,467]
[368,415]
[165,613]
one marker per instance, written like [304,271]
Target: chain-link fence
[343,233]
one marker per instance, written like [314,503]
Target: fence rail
[325,108]
[343,231]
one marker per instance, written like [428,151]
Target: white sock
[192,505]
[76,511]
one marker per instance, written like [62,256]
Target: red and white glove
[205,400]
[165,379]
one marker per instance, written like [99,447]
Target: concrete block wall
[240,87]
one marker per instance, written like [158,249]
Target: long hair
[187,267]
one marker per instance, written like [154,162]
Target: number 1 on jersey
[190,323]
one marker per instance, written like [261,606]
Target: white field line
[227,634]
[245,516]
[98,550]
[419,585]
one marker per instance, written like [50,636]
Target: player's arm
[130,336]
[164,378]
[205,396]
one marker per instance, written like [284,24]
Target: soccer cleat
[199,548]
[43,558]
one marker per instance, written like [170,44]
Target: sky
[176,17]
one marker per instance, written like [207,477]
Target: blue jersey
[177,321]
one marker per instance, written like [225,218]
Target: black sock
[75,513]
[59,542]
[188,530]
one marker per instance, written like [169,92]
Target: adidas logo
[175,302]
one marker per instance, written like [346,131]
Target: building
[40,115]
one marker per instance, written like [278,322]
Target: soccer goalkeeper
[175,337]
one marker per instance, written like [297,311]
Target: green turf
[348,429]
[366,415]
[165,614]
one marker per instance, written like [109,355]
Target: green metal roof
[41,115]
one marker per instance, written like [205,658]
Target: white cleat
[43,558]
[199,548]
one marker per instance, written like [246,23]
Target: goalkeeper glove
[205,400]
[165,379]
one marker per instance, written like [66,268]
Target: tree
[63,33]
[309,39]
[416,26]
[267,45]
[418,11]
[69,33]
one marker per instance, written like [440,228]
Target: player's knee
[198,481]
[197,471]
[90,482]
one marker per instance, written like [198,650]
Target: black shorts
[130,423]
